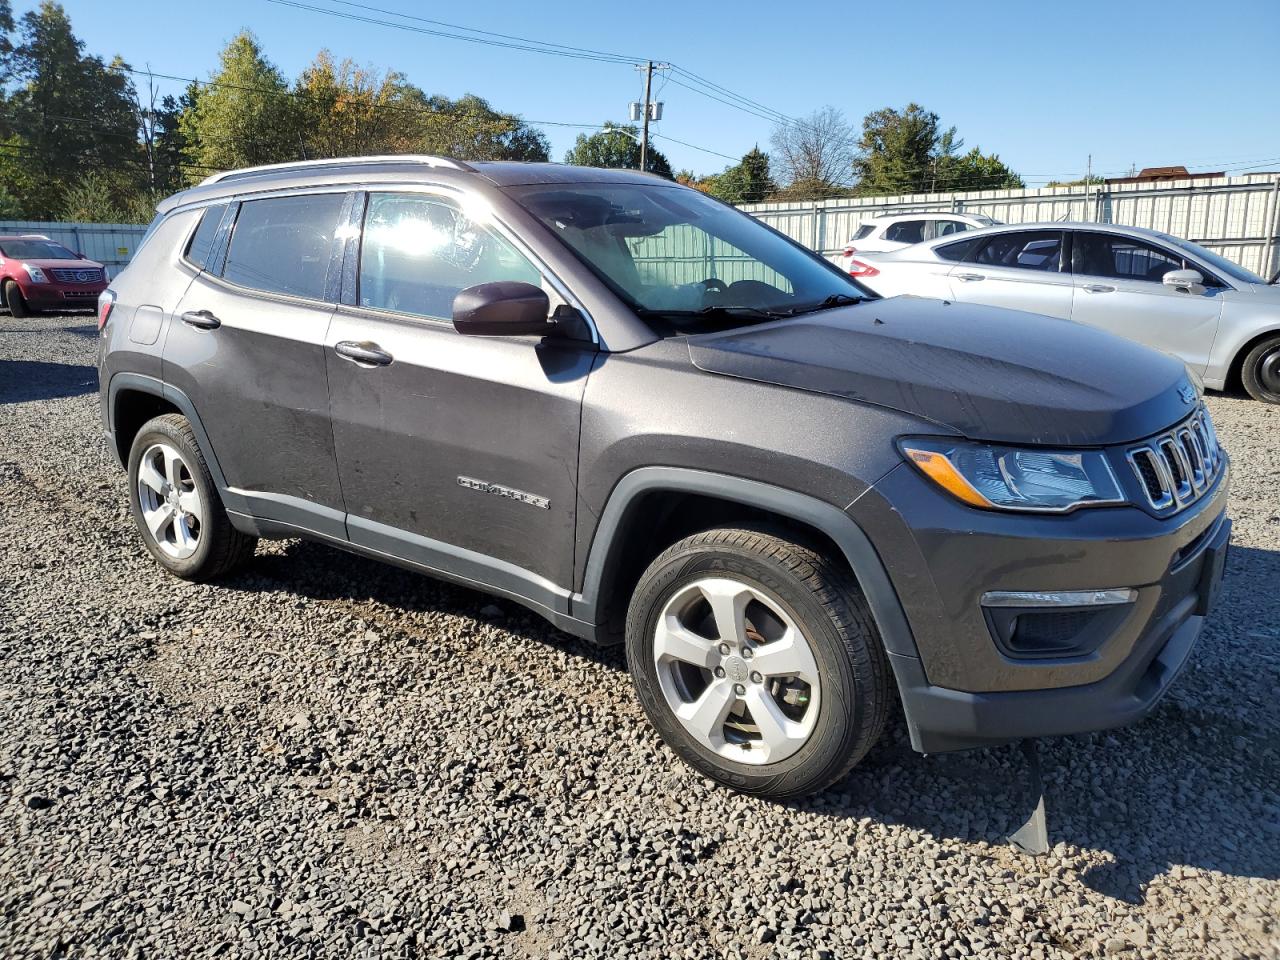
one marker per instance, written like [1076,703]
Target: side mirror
[1187,281]
[506,308]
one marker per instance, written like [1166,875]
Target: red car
[38,274]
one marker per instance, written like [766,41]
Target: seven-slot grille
[1177,466]
[77,274]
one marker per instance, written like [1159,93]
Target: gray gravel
[324,756]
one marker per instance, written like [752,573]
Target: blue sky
[1044,85]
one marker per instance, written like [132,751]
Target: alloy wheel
[170,502]
[737,671]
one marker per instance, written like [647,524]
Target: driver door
[1118,286]
[438,435]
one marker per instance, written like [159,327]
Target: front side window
[942,228]
[202,240]
[908,231]
[1022,250]
[683,261]
[283,244]
[419,252]
[1120,258]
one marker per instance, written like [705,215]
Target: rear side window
[957,251]
[282,244]
[908,231]
[864,231]
[1023,250]
[202,240]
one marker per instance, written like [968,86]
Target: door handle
[201,320]
[1097,288]
[970,276]
[364,353]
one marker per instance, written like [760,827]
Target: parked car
[797,504]
[37,273]
[1166,292]
[882,234]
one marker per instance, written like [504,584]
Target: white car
[1171,294]
[881,234]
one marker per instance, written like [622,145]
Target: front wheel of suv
[757,660]
[1260,371]
[16,302]
[176,505]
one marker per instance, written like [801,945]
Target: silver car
[1168,293]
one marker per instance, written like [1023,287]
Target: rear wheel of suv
[176,505]
[17,303]
[757,660]
[1260,371]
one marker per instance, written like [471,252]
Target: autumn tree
[815,154]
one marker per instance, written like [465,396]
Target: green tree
[73,112]
[92,199]
[470,129]
[905,151]
[244,116]
[748,181]
[616,148]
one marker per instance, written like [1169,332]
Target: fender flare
[142,383]
[853,543]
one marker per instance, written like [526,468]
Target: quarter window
[1023,250]
[202,240]
[1121,258]
[942,228]
[864,231]
[907,231]
[283,244]
[418,253]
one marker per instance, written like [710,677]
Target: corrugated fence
[110,243]
[1237,217]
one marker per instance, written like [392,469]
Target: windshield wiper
[717,312]
[835,300]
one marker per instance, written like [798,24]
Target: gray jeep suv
[651,418]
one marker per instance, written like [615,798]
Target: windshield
[1218,262]
[683,261]
[36,250]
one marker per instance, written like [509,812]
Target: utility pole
[644,129]
[1088,185]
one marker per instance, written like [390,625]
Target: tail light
[858,268]
[850,251]
[106,300]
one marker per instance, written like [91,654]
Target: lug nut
[756,677]
[719,671]
[724,649]
[739,689]
[746,653]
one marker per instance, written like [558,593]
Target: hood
[64,264]
[984,372]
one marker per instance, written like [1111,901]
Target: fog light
[1039,624]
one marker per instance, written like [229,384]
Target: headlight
[35,273]
[1015,478]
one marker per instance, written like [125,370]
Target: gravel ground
[323,756]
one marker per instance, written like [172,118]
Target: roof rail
[302,165]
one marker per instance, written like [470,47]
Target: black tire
[220,546]
[18,305]
[1260,371]
[824,600]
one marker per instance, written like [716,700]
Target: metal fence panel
[1237,217]
[112,244]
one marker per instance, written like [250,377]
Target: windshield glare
[682,260]
[1219,263]
[36,250]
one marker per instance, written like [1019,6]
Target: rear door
[1018,269]
[247,346]
[1118,286]
[455,452]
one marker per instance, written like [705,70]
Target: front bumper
[959,688]
[62,296]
